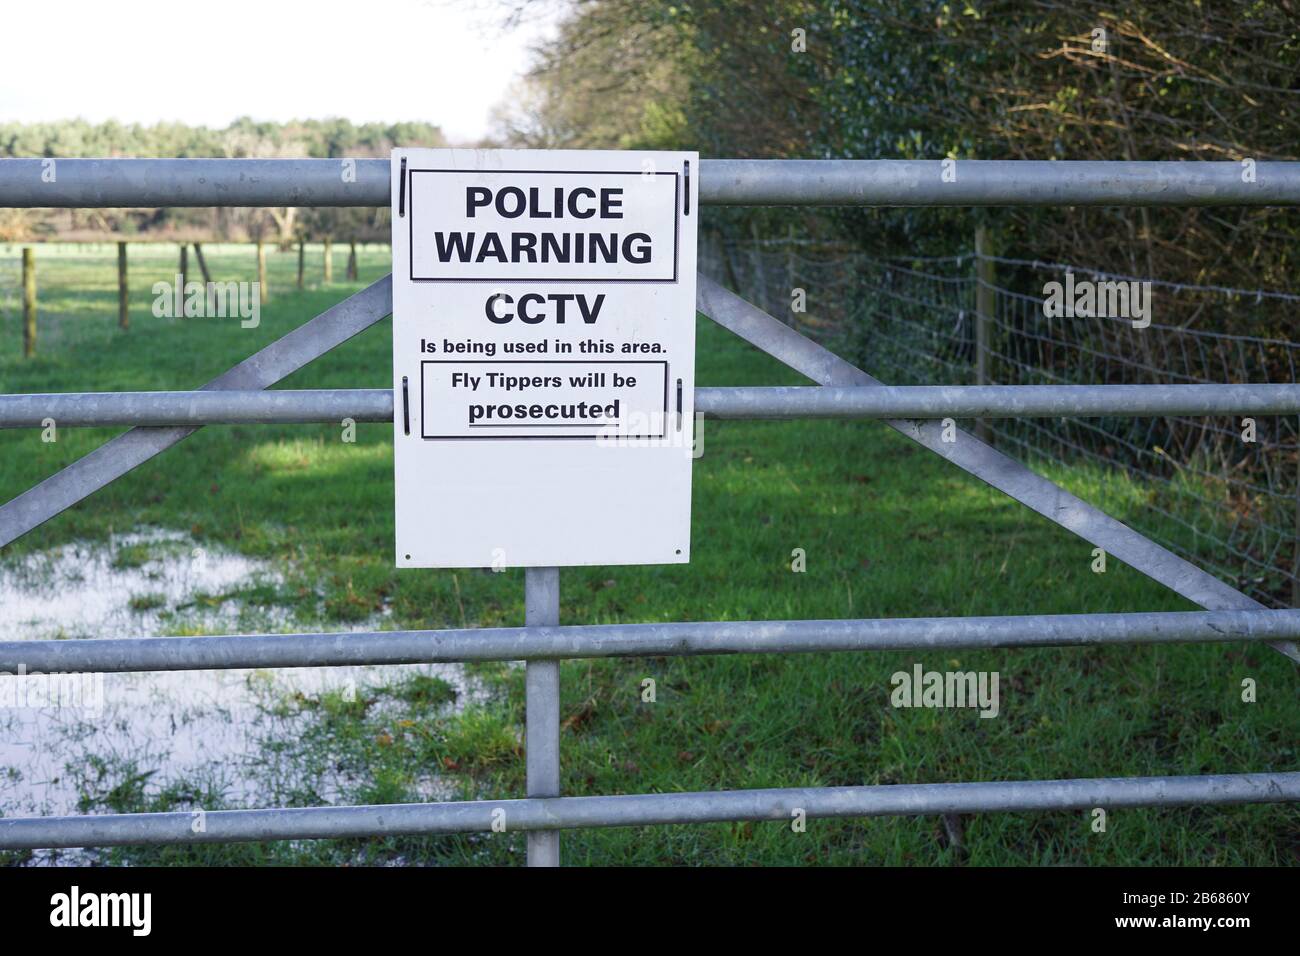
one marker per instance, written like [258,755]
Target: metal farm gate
[163,419]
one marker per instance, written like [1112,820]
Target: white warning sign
[543,356]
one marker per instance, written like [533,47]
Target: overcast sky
[206,63]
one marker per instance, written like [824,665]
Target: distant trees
[245,138]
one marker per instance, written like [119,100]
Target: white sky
[206,63]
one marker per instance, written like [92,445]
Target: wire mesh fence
[1199,486]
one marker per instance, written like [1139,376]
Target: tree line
[242,139]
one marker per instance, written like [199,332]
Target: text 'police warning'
[580,203]
[544,227]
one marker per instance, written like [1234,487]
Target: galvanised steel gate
[162,419]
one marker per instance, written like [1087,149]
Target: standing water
[58,757]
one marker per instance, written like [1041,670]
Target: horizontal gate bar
[552,813]
[971,182]
[997,401]
[87,183]
[247,407]
[74,409]
[643,640]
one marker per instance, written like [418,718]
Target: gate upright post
[542,710]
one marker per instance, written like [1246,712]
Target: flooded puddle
[181,726]
[137,585]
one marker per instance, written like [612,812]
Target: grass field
[889,531]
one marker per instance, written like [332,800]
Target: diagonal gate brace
[133,448]
[983,461]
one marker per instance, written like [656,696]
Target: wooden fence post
[329,260]
[985,304]
[1295,556]
[29,302]
[265,289]
[352,261]
[203,264]
[182,273]
[756,260]
[301,262]
[790,269]
[123,293]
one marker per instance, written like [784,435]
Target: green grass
[889,531]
